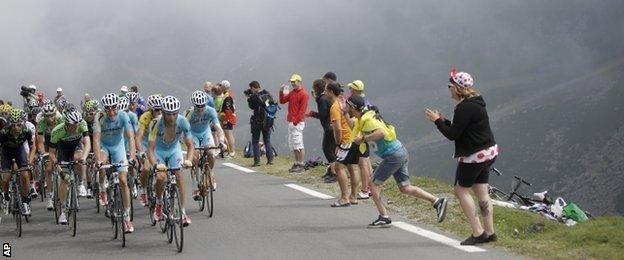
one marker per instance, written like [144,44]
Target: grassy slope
[602,238]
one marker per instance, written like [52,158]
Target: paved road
[256,217]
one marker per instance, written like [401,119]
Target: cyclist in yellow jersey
[154,104]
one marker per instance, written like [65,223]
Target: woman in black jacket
[475,150]
[328,143]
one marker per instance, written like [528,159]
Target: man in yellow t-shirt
[383,140]
[347,153]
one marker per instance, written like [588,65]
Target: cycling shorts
[117,154]
[203,140]
[171,158]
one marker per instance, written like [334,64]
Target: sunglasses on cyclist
[109,108]
[157,110]
[200,106]
[171,113]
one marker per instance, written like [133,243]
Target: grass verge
[601,238]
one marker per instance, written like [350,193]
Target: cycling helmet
[35,110]
[90,106]
[154,102]
[123,104]
[170,104]
[69,107]
[110,100]
[17,116]
[462,79]
[73,117]
[199,98]
[133,97]
[225,83]
[47,101]
[49,108]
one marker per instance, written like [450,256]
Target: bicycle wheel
[73,208]
[112,210]
[42,186]
[57,200]
[497,194]
[96,196]
[201,187]
[131,208]
[209,195]
[165,209]
[120,224]
[171,216]
[16,203]
[151,202]
[177,227]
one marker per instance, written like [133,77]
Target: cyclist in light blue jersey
[165,150]
[124,105]
[201,118]
[110,130]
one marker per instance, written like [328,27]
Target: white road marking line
[436,237]
[309,191]
[237,167]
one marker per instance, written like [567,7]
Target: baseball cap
[295,77]
[335,88]
[124,89]
[330,75]
[357,102]
[225,83]
[357,85]
[59,90]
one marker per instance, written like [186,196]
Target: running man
[165,150]
[108,135]
[69,142]
[383,141]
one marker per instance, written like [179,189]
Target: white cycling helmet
[199,98]
[170,104]
[49,108]
[110,100]
[225,83]
[123,104]
[133,97]
[73,117]
[154,102]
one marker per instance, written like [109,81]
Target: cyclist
[69,142]
[154,103]
[165,150]
[12,138]
[48,119]
[201,117]
[5,111]
[108,135]
[124,105]
[90,110]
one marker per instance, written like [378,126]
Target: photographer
[264,108]
[28,93]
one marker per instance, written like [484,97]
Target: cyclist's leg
[64,156]
[118,156]
[21,158]
[160,176]
[175,162]
[211,162]
[5,165]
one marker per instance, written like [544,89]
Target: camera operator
[262,104]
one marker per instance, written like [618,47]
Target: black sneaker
[440,207]
[270,163]
[381,222]
[298,169]
[331,178]
[483,238]
[292,169]
[492,238]
[256,164]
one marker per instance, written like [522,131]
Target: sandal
[337,204]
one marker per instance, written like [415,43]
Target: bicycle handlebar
[207,148]
[27,168]
[522,180]
[496,171]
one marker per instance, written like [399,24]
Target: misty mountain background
[550,71]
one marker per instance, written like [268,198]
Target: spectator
[297,100]
[208,86]
[228,117]
[259,100]
[59,100]
[347,154]
[123,91]
[357,88]
[328,145]
[475,150]
[140,107]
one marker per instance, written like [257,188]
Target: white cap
[59,90]
[32,87]
[124,89]
[225,83]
